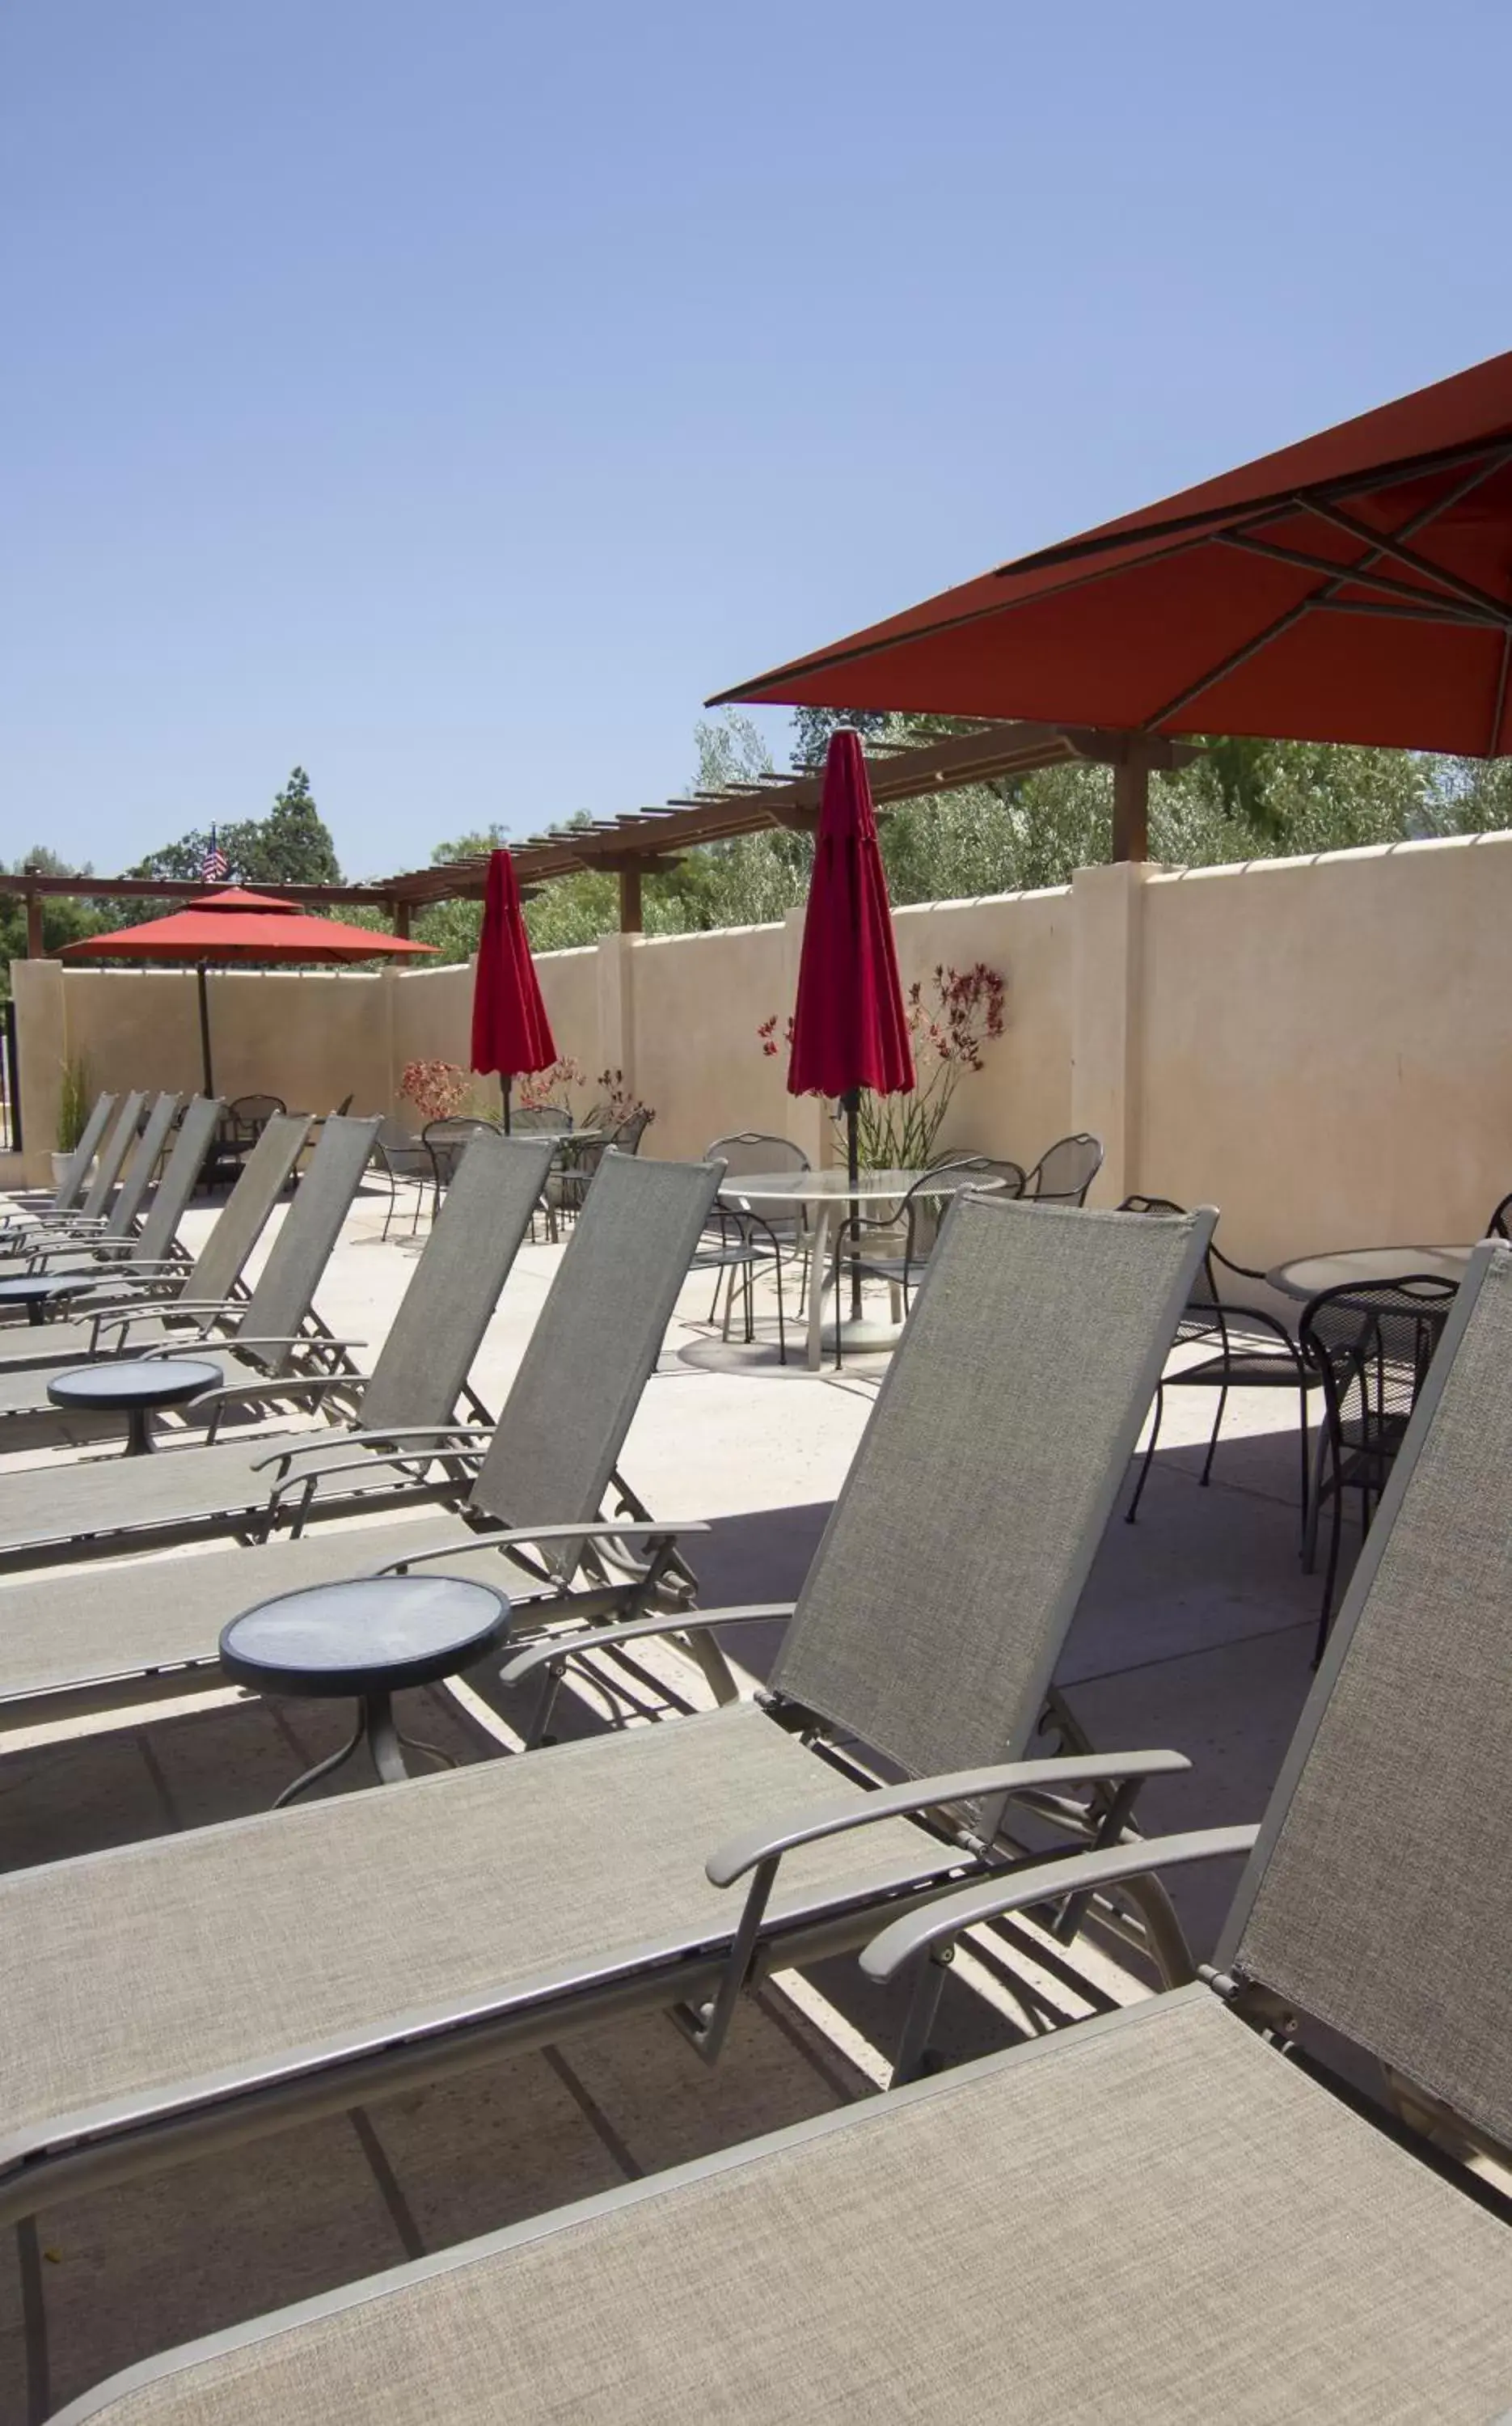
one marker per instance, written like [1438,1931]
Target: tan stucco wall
[1326,1044]
[1320,1047]
[314,1037]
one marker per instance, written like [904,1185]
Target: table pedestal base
[374,1727]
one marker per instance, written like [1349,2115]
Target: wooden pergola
[648,842]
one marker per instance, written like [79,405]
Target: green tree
[292,844]
[64,920]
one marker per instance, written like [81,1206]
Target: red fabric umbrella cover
[512,1033]
[1355,587]
[849,1029]
[235,925]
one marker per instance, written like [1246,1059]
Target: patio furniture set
[428,1162]
[1179,2186]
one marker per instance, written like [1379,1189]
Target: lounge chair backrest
[172,1196]
[243,1218]
[1377,1899]
[112,1155]
[595,1342]
[75,1170]
[952,1562]
[146,1155]
[446,1310]
[288,1281]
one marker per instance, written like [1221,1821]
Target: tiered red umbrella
[512,1033]
[236,929]
[849,1027]
[1356,587]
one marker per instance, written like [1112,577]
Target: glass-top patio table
[1353,1266]
[827,1196]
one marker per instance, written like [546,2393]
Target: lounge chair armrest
[309,1477]
[521,1535]
[738,1855]
[269,1381]
[692,1620]
[353,1438]
[990,1898]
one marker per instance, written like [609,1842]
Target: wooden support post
[34,926]
[630,900]
[401,920]
[1131,807]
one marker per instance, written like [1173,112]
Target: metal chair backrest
[71,1186]
[751,1150]
[425,1361]
[254,1111]
[447,1140]
[112,1155]
[1500,1224]
[526,1118]
[1371,1342]
[145,1157]
[1376,1899]
[244,1216]
[626,1138]
[286,1285]
[1206,1301]
[950,1569]
[595,1343]
[1066,1171]
[181,1174]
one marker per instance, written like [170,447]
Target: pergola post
[1131,804]
[34,926]
[630,912]
[401,920]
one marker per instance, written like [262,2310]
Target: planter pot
[60,1164]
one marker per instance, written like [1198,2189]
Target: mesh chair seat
[1108,2174]
[606,1845]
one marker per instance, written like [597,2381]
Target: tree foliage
[292,844]
[64,921]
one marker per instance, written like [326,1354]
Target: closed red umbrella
[236,928]
[1356,587]
[849,1028]
[512,1033]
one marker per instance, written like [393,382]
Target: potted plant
[73,1113]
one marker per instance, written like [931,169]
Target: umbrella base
[861,1332]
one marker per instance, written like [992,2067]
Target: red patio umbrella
[236,928]
[512,1033]
[1356,587]
[849,1028]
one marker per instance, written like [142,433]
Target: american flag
[215,867]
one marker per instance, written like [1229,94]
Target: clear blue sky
[448,397]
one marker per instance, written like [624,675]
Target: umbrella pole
[853,1103]
[204,1033]
[506,1085]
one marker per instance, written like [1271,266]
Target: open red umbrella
[1356,587]
[512,1033]
[236,929]
[849,1028]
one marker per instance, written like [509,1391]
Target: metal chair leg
[1133,1508]
[1205,1476]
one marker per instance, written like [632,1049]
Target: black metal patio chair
[1371,1344]
[1250,1351]
[748,1231]
[1065,1171]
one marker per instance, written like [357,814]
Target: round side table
[367,1639]
[134,1386]
[35,1289]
